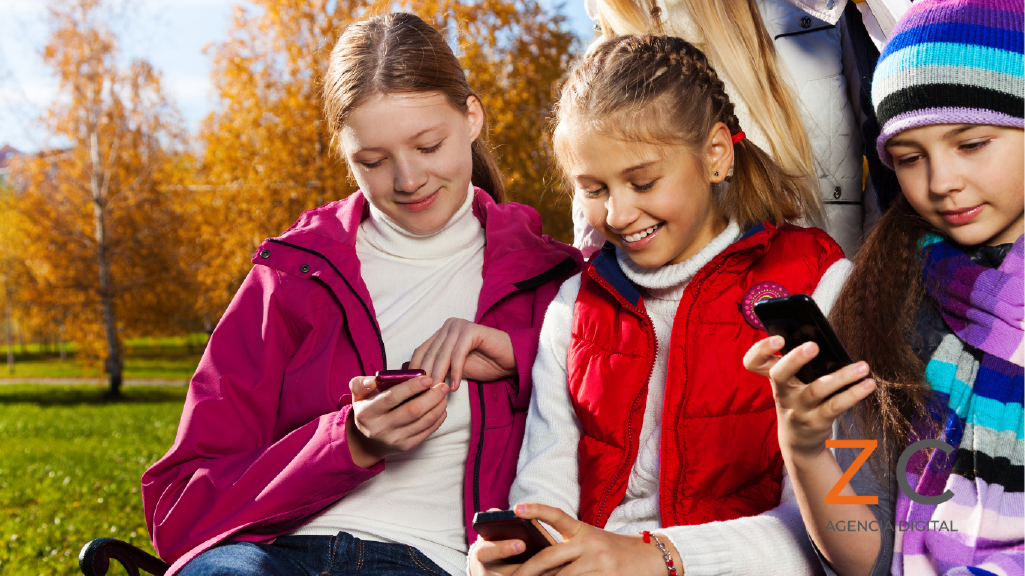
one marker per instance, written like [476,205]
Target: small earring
[717,173]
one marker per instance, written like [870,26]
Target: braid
[662,90]
[696,70]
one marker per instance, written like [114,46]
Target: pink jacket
[261,447]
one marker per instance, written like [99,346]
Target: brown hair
[876,317]
[735,40]
[400,53]
[661,89]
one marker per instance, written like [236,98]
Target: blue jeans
[338,555]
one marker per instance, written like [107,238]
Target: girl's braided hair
[662,90]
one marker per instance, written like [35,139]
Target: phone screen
[798,320]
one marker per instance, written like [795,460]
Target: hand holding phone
[378,429]
[807,404]
[798,320]
[506,525]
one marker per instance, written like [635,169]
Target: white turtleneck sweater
[771,543]
[416,282]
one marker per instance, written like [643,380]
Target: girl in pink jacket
[288,458]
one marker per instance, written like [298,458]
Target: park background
[146,148]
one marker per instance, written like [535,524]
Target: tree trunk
[10,341]
[114,361]
[61,345]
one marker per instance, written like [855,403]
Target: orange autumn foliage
[98,231]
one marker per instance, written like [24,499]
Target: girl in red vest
[648,446]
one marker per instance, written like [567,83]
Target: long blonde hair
[737,44]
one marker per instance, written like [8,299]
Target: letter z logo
[834,497]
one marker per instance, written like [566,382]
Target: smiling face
[964,179]
[410,155]
[654,202]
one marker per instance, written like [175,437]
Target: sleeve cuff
[524,343]
[340,442]
[702,552]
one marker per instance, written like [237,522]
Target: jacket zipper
[480,450]
[629,420]
[480,394]
[698,287]
[373,321]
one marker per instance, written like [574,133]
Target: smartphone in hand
[506,525]
[387,378]
[798,320]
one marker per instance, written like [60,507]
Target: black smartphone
[506,525]
[798,320]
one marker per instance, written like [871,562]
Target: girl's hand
[485,556]
[586,549]
[805,411]
[463,349]
[385,423]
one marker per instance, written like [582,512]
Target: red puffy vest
[720,457]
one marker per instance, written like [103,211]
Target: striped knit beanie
[951,62]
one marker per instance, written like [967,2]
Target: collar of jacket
[605,267]
[322,244]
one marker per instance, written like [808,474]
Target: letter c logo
[902,474]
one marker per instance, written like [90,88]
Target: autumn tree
[100,224]
[268,152]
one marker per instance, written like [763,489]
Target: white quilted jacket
[817,58]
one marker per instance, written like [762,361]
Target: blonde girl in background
[644,429]
[789,76]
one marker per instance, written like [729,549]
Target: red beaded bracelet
[661,547]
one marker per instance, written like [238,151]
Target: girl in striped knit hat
[934,309]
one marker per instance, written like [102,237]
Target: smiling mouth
[419,205]
[962,216]
[643,234]
[637,237]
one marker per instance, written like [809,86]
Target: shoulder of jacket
[807,238]
[286,292]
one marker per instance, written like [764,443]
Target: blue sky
[170,34]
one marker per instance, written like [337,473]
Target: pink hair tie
[738,137]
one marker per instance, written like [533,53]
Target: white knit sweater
[774,542]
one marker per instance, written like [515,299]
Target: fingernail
[445,388]
[807,349]
[368,383]
[861,368]
[520,509]
[776,341]
[868,385]
[518,547]
[425,382]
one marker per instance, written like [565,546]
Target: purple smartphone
[388,378]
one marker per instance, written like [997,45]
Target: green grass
[70,465]
[173,358]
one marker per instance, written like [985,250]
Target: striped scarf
[976,371]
